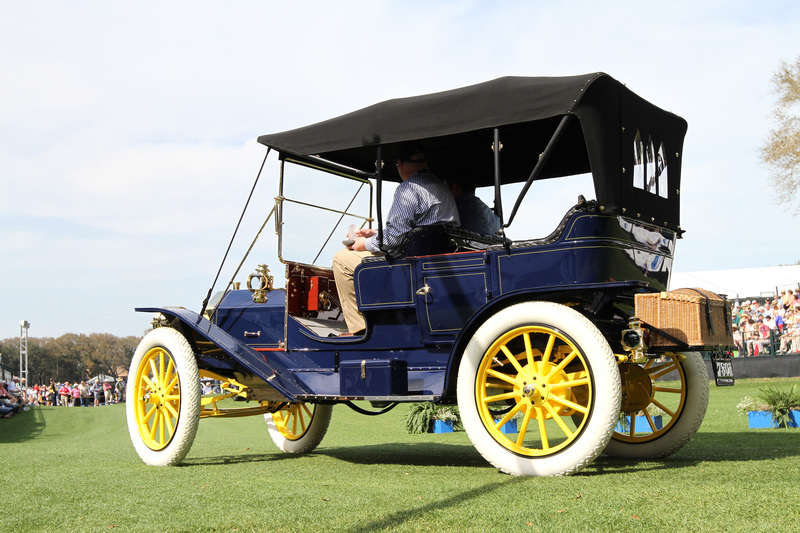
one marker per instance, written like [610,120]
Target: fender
[273,370]
[586,292]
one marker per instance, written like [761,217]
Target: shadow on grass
[422,454]
[236,459]
[706,447]
[605,465]
[405,454]
[400,517]
[746,445]
[25,426]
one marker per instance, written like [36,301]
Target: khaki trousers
[344,264]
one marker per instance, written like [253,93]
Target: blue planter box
[508,427]
[442,426]
[763,419]
[642,425]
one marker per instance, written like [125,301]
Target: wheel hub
[532,387]
[156,397]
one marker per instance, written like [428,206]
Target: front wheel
[299,427]
[163,405]
[547,368]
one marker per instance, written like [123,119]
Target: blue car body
[594,259]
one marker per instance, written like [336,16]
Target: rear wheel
[550,369]
[299,427]
[676,390]
[163,405]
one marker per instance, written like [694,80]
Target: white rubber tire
[150,397]
[600,366]
[295,438]
[688,420]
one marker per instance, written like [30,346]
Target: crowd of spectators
[768,328]
[14,400]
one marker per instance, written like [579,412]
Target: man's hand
[361,236]
[366,232]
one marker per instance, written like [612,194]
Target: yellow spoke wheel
[547,370]
[298,427]
[663,404]
[293,421]
[157,398]
[163,401]
[537,377]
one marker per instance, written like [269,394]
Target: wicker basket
[696,317]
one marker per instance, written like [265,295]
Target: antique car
[541,330]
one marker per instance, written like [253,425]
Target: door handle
[424,290]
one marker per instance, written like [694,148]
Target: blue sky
[127,129]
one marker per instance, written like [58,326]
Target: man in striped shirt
[420,200]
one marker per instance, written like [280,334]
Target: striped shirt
[421,200]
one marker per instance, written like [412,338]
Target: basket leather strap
[708,311]
[727,315]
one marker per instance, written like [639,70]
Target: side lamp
[260,283]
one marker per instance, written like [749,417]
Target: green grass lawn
[74,469]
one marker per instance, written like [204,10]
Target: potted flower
[642,425]
[427,417]
[773,408]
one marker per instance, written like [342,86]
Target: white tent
[102,377]
[741,282]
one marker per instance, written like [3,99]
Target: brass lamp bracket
[634,341]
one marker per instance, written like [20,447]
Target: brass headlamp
[635,339]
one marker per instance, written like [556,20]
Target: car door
[450,289]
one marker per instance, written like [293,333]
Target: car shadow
[422,454]
[739,446]
[236,459]
[405,454]
[706,447]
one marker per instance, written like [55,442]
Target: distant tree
[71,357]
[781,151]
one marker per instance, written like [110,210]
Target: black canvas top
[614,127]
